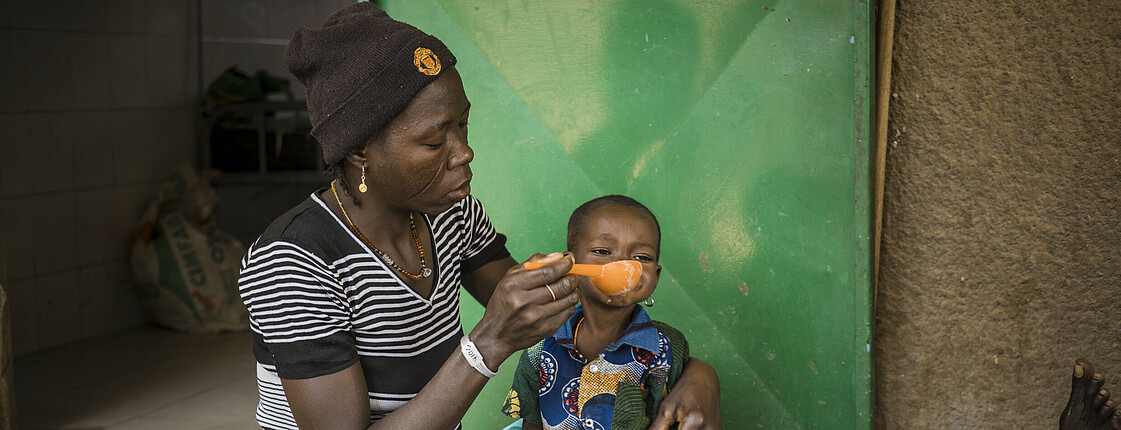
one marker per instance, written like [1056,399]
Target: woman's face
[420,160]
[616,233]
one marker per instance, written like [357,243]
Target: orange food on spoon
[611,278]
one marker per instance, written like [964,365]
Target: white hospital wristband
[474,358]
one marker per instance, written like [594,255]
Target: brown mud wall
[1001,252]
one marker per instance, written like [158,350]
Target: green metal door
[744,125]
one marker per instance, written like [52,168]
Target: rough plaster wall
[1001,258]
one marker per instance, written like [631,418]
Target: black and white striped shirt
[319,301]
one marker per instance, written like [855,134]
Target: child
[609,366]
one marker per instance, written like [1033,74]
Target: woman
[353,294]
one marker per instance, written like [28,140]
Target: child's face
[616,233]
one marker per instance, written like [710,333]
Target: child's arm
[694,396]
[694,401]
[522,401]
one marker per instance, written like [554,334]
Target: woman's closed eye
[437,143]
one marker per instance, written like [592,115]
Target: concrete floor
[142,378]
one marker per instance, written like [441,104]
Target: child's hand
[694,402]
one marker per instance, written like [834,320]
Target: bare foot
[1090,407]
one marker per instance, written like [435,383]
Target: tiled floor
[143,378]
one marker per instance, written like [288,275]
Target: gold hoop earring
[362,186]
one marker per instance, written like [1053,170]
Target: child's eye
[644,258]
[601,251]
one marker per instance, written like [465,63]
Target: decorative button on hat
[426,61]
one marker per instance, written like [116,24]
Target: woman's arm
[482,281]
[694,402]
[520,311]
[340,400]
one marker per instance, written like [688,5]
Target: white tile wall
[23,307]
[96,293]
[19,238]
[16,156]
[263,18]
[94,160]
[135,141]
[307,14]
[50,15]
[11,71]
[46,69]
[167,72]
[126,15]
[55,241]
[170,17]
[106,299]
[128,63]
[151,145]
[58,308]
[258,19]
[51,138]
[235,19]
[90,74]
[96,110]
[129,203]
[97,240]
[249,59]
[10,13]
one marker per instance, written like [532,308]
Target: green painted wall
[743,125]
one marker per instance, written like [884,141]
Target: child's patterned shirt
[621,388]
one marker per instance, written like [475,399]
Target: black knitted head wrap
[361,70]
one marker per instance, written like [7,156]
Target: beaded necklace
[576,333]
[424,270]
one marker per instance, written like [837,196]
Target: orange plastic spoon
[611,278]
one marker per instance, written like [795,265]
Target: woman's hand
[523,310]
[694,401]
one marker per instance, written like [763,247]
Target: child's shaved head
[580,216]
